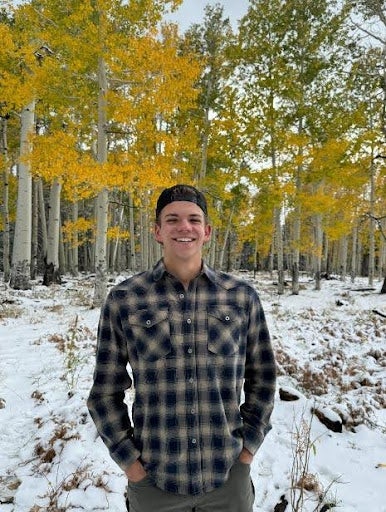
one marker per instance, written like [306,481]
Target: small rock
[289,394]
[329,418]
[280,507]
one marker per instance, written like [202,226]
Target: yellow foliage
[117,233]
[79,232]
[17,62]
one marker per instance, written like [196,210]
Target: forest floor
[331,354]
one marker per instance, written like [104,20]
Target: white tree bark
[21,256]
[318,251]
[51,274]
[225,241]
[35,228]
[43,218]
[102,202]
[102,207]
[74,250]
[133,259]
[297,222]
[212,248]
[279,250]
[343,251]
[354,249]
[296,250]
[5,208]
[372,223]
[117,242]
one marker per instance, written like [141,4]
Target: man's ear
[157,235]
[208,233]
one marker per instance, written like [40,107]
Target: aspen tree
[51,274]
[291,53]
[210,40]
[21,257]
[106,29]
[375,11]
[263,75]
[5,164]
[17,88]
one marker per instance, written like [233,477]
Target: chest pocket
[151,331]
[224,330]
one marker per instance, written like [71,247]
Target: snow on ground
[331,354]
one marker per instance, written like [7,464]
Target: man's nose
[184,224]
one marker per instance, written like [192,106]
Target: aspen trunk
[297,223]
[51,272]
[325,261]
[114,256]
[225,241]
[372,224]
[133,260]
[35,228]
[43,218]
[318,252]
[63,256]
[74,249]
[382,251]
[21,256]
[279,250]
[212,248]
[343,249]
[102,201]
[382,264]
[354,253]
[205,135]
[6,230]
[145,238]
[296,252]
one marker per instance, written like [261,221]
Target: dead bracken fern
[71,345]
[305,485]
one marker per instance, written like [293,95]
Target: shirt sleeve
[260,379]
[111,379]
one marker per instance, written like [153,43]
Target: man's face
[182,230]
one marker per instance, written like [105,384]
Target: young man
[194,339]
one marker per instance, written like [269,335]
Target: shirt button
[192,411]
[190,350]
[191,380]
[194,441]
[189,321]
[182,296]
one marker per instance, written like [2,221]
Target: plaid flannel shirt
[194,355]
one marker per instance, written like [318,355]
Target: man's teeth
[184,239]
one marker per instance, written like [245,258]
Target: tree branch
[375,36]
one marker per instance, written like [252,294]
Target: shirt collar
[159,271]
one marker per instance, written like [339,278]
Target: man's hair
[181,192]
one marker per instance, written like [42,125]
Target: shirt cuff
[126,454]
[253,438]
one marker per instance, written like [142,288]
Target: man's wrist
[136,472]
[246,457]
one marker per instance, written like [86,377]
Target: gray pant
[236,495]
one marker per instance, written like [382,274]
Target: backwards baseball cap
[181,193]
